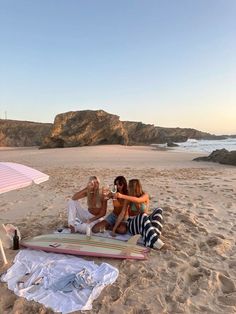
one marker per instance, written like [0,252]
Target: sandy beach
[195,272]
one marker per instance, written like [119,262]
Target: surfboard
[79,244]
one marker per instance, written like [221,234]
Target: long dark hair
[121,180]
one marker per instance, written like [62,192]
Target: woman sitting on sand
[139,222]
[110,220]
[79,217]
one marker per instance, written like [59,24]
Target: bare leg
[100,226]
[122,228]
[72,210]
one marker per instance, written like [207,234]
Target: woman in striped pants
[139,221]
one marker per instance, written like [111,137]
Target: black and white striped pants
[148,226]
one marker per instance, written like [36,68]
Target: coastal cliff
[91,127]
[94,127]
[22,133]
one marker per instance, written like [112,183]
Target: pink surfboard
[79,244]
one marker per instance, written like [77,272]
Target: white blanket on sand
[34,274]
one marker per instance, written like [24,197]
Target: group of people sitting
[130,211]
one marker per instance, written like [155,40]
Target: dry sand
[196,270]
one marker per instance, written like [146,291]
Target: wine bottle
[16,244]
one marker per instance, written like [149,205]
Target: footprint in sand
[210,209]
[115,293]
[199,198]
[173,264]
[173,306]
[202,229]
[205,271]
[226,284]
[195,263]
[229,204]
[232,264]
[181,298]
[229,300]
[230,213]
[203,246]
[178,203]
[194,276]
[191,205]
[213,241]
[195,288]
[201,215]
[213,217]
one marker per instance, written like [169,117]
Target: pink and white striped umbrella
[15,176]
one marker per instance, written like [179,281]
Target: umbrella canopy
[15,176]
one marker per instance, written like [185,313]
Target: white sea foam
[206,146]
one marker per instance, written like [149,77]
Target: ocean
[206,146]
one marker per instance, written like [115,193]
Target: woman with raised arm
[79,217]
[118,204]
[139,221]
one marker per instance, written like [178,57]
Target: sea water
[206,146]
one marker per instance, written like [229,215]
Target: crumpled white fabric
[51,267]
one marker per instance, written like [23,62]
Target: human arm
[79,195]
[141,199]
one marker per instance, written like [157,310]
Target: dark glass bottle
[16,244]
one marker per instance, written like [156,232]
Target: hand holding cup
[105,192]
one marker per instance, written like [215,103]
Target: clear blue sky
[169,63]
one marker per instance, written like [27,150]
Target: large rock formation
[22,133]
[88,127]
[139,133]
[223,156]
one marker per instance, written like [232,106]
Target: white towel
[49,267]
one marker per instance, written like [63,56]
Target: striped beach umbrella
[15,176]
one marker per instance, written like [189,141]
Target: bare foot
[113,234]
[158,244]
[72,228]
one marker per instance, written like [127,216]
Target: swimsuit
[133,209]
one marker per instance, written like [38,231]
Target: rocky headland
[15,133]
[222,156]
[91,127]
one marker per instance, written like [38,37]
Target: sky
[171,63]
